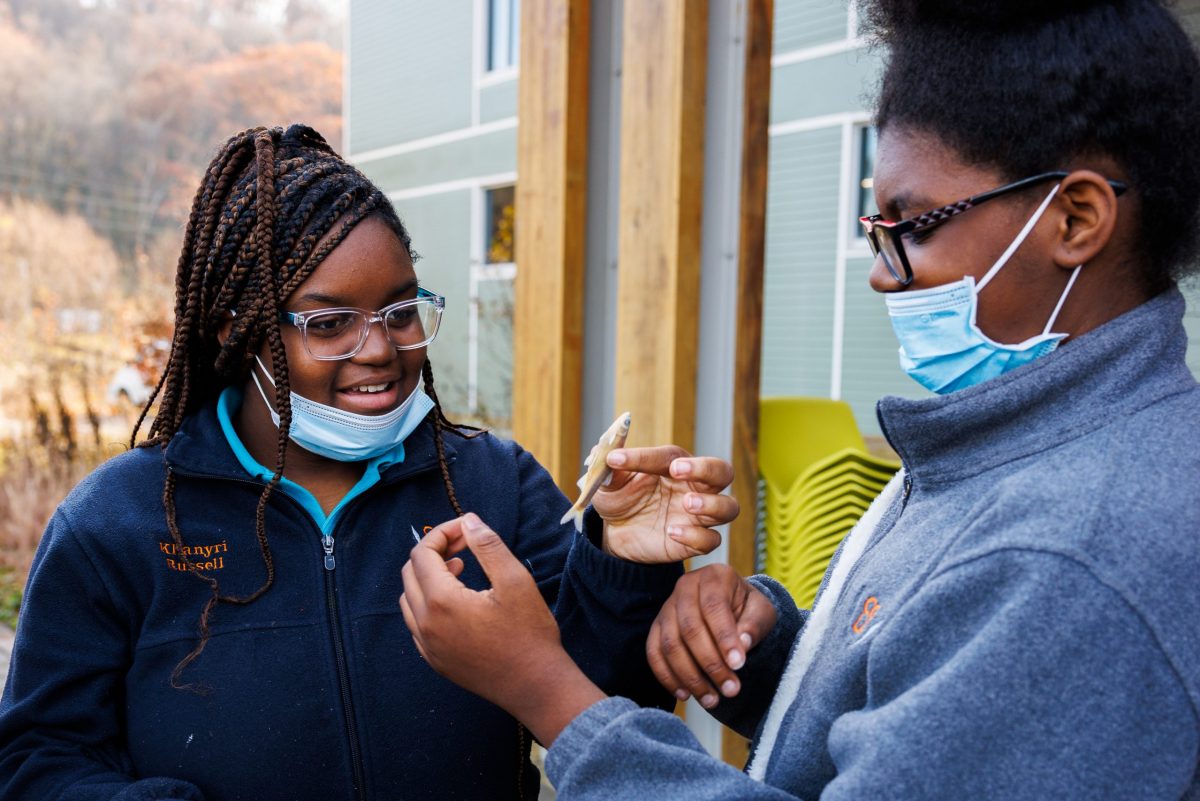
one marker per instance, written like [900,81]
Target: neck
[311,471]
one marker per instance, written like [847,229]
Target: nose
[881,279]
[378,349]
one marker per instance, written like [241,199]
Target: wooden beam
[662,172]
[551,183]
[752,229]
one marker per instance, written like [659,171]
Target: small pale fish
[597,473]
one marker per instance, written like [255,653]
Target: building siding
[801,24]
[410,70]
[798,292]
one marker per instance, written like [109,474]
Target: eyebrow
[906,202]
[334,300]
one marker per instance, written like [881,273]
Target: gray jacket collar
[1124,365]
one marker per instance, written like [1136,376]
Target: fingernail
[692,502]
[746,641]
[617,458]
[708,701]
[729,688]
[735,659]
[681,467]
[471,522]
[682,695]
[675,532]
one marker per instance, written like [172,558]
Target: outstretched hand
[662,504]
[502,643]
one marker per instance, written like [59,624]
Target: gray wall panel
[799,274]
[410,65]
[805,23]
[836,83]
[497,101]
[477,156]
[439,226]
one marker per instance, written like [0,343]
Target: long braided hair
[272,205]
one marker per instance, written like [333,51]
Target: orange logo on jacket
[869,610]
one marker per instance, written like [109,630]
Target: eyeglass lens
[339,334]
[884,244]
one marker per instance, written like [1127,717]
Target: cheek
[412,361]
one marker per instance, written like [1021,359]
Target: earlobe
[1090,206]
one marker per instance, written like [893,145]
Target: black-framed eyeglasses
[340,333]
[886,238]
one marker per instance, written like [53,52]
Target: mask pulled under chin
[942,347]
[345,436]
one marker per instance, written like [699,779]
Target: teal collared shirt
[228,404]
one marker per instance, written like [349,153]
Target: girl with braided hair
[1011,617]
[297,456]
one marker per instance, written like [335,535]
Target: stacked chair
[817,480]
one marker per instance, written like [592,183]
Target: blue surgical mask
[941,346]
[345,436]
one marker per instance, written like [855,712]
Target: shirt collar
[1116,369]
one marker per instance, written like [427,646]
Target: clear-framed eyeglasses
[340,333]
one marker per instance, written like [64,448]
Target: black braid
[265,202]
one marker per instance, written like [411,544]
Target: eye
[405,315]
[920,236]
[329,324]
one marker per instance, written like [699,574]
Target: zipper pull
[327,544]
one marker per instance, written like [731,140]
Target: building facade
[431,116]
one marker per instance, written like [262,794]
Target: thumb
[494,557]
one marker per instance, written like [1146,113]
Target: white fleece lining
[818,621]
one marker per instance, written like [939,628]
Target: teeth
[370,388]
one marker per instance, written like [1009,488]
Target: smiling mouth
[370,389]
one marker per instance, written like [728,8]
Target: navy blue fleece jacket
[314,691]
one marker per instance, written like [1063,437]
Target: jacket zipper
[339,649]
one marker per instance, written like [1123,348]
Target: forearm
[604,610]
[615,751]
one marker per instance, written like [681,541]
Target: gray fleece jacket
[1015,618]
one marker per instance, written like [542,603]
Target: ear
[1089,206]
[226,327]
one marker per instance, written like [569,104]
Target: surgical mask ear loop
[1061,300]
[261,391]
[1016,243]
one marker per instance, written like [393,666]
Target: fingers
[711,510]
[446,539]
[697,539]
[668,654]
[656,460]
[707,470]
[756,618]
[497,561]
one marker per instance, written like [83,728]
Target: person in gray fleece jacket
[1011,618]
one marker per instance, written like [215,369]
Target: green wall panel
[410,65]
[805,23]
[802,189]
[498,101]
[439,225]
[489,154]
[832,84]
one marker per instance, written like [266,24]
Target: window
[865,188]
[503,30]
[500,221]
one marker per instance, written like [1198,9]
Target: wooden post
[662,166]
[551,184]
[752,226]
